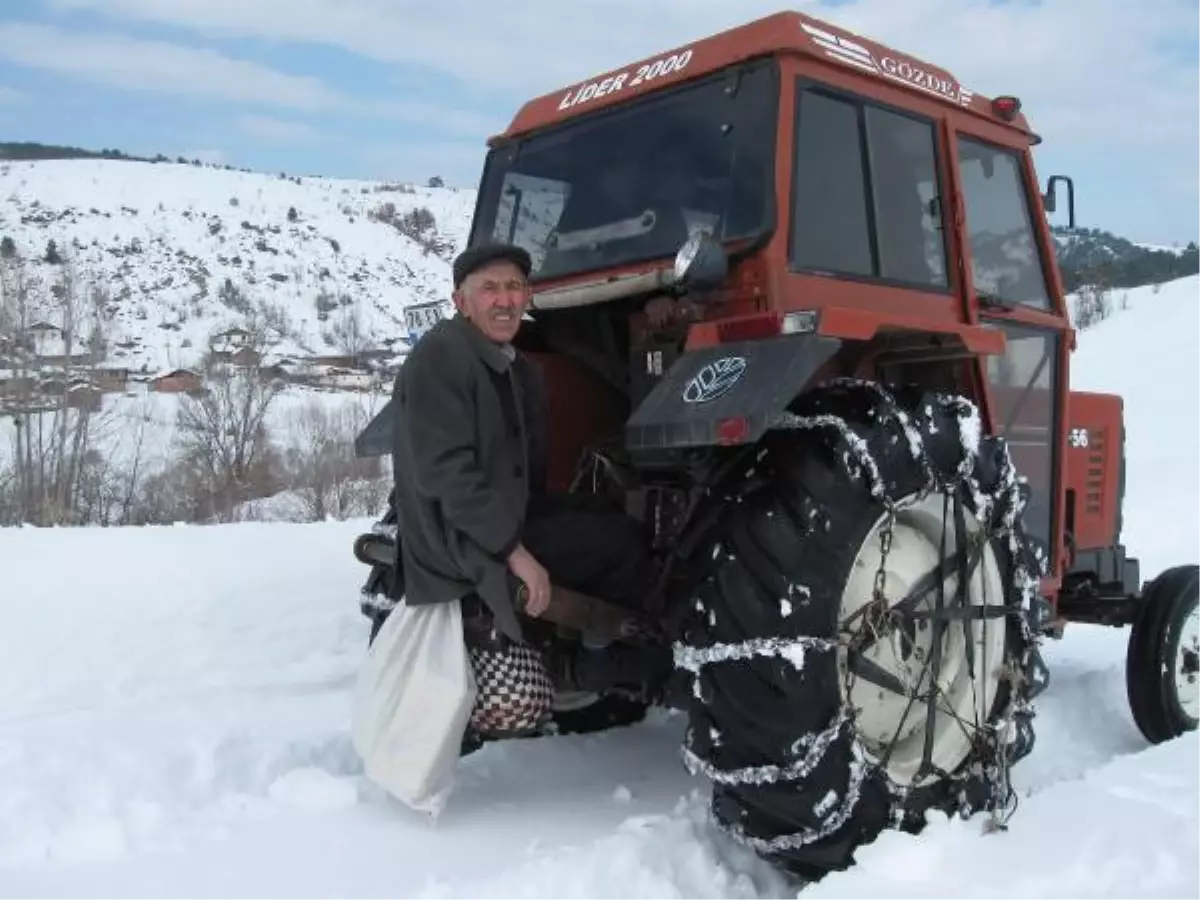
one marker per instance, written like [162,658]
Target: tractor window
[832,229]
[1006,264]
[867,198]
[1023,384]
[632,183]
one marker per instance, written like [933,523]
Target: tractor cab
[785,177]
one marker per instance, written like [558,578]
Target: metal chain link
[877,619]
[874,617]
[885,547]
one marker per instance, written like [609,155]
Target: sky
[408,89]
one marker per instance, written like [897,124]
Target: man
[469,460]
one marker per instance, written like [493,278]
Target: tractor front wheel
[1161,666]
[862,637]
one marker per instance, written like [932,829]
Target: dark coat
[468,450]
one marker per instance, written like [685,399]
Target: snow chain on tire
[771,667]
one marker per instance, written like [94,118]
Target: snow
[1175,248]
[162,238]
[1147,354]
[174,721]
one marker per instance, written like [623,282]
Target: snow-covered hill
[175,704]
[1094,256]
[185,252]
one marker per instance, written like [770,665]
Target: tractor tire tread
[766,721]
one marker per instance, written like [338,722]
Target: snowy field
[174,722]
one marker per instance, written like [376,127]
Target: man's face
[494,298]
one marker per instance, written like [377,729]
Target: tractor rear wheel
[826,603]
[1161,666]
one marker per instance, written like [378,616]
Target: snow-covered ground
[1147,354]
[174,722]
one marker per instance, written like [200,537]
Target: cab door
[1009,285]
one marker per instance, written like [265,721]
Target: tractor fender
[376,438]
[747,383]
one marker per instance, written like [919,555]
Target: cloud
[167,68]
[528,46]
[272,129]
[160,67]
[459,163]
[1189,178]
[1085,72]
[11,96]
[444,118]
[163,67]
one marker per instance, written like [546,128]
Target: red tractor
[798,309]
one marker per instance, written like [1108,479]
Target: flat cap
[481,254]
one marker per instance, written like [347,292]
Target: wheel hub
[1187,664]
[920,688]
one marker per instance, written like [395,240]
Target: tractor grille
[1093,497]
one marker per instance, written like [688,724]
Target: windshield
[631,184]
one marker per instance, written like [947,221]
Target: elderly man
[469,454]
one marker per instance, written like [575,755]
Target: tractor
[796,302]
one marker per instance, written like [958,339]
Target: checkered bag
[514,693]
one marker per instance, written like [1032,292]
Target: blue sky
[411,88]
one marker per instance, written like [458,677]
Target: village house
[79,358]
[338,360]
[49,348]
[229,340]
[111,379]
[13,384]
[234,347]
[84,395]
[43,331]
[177,381]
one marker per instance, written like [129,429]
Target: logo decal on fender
[714,380]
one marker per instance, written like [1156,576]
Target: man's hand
[522,564]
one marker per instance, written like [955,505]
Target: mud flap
[376,438]
[744,383]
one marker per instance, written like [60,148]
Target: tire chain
[878,622]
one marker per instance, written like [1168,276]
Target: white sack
[414,697]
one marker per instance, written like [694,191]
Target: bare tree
[348,332]
[223,435]
[329,479]
[48,333]
[133,475]
[1093,305]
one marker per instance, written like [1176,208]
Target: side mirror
[701,262]
[1050,199]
